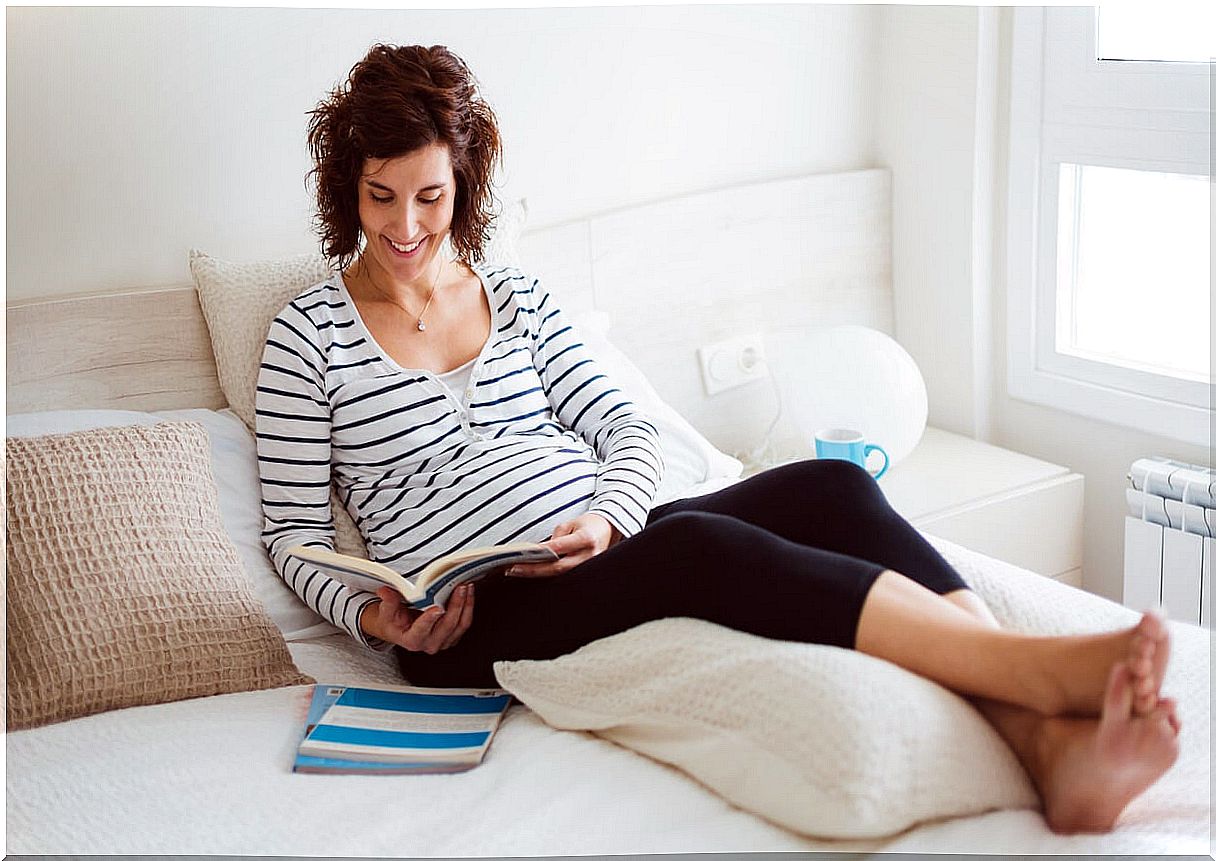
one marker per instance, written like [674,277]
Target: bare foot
[1080,668]
[1090,770]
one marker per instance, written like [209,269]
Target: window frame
[1120,126]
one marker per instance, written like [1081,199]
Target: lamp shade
[858,378]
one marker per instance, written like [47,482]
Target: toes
[1152,621]
[1150,632]
[1141,652]
[1148,654]
[1117,703]
[1153,627]
[1169,707]
[1145,695]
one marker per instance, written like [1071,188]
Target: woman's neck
[374,284]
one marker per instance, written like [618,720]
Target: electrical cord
[761,453]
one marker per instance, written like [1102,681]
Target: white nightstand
[1001,503]
[1017,508]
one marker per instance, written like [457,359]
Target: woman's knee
[696,532]
[840,477]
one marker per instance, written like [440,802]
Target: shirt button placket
[464,412]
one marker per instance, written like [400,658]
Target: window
[1157,33]
[1109,217]
[1125,236]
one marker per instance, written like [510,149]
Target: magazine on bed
[398,729]
[434,583]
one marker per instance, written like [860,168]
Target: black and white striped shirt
[538,437]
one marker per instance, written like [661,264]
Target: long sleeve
[585,400]
[293,442]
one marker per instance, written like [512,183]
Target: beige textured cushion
[827,742]
[123,588]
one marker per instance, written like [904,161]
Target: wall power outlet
[733,362]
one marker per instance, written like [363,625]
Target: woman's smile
[405,251]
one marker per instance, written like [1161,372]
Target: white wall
[926,134]
[943,103]
[135,134]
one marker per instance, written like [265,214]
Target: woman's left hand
[574,541]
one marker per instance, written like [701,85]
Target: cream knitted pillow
[239,301]
[123,587]
[827,742]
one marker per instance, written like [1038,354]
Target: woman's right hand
[394,621]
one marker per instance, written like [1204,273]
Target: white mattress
[214,776]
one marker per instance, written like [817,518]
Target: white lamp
[854,377]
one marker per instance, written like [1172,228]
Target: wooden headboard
[140,350]
[781,258]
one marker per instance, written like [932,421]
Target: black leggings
[788,554]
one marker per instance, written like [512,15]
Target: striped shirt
[538,436]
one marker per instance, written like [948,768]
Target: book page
[395,721]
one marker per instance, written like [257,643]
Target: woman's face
[405,211]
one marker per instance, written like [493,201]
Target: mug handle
[886,460]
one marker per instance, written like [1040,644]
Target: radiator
[1168,539]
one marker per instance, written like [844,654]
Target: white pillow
[234,468]
[503,246]
[690,460]
[824,741]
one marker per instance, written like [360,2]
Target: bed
[212,775]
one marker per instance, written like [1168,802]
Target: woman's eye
[430,200]
[379,199]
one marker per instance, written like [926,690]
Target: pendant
[421,326]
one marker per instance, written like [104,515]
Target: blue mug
[841,444]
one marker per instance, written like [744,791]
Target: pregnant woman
[453,405]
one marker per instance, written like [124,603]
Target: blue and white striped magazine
[399,729]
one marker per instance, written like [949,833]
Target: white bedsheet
[214,776]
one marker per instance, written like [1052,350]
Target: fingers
[573,548]
[549,569]
[571,542]
[462,614]
[447,624]
[419,636]
[394,613]
[437,628]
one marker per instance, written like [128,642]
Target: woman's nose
[408,221]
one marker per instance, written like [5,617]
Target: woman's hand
[574,541]
[430,631]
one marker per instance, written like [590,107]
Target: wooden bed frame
[140,350]
[782,256]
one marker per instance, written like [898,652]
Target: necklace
[393,300]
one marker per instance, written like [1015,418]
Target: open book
[434,583]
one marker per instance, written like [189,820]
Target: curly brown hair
[395,101]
